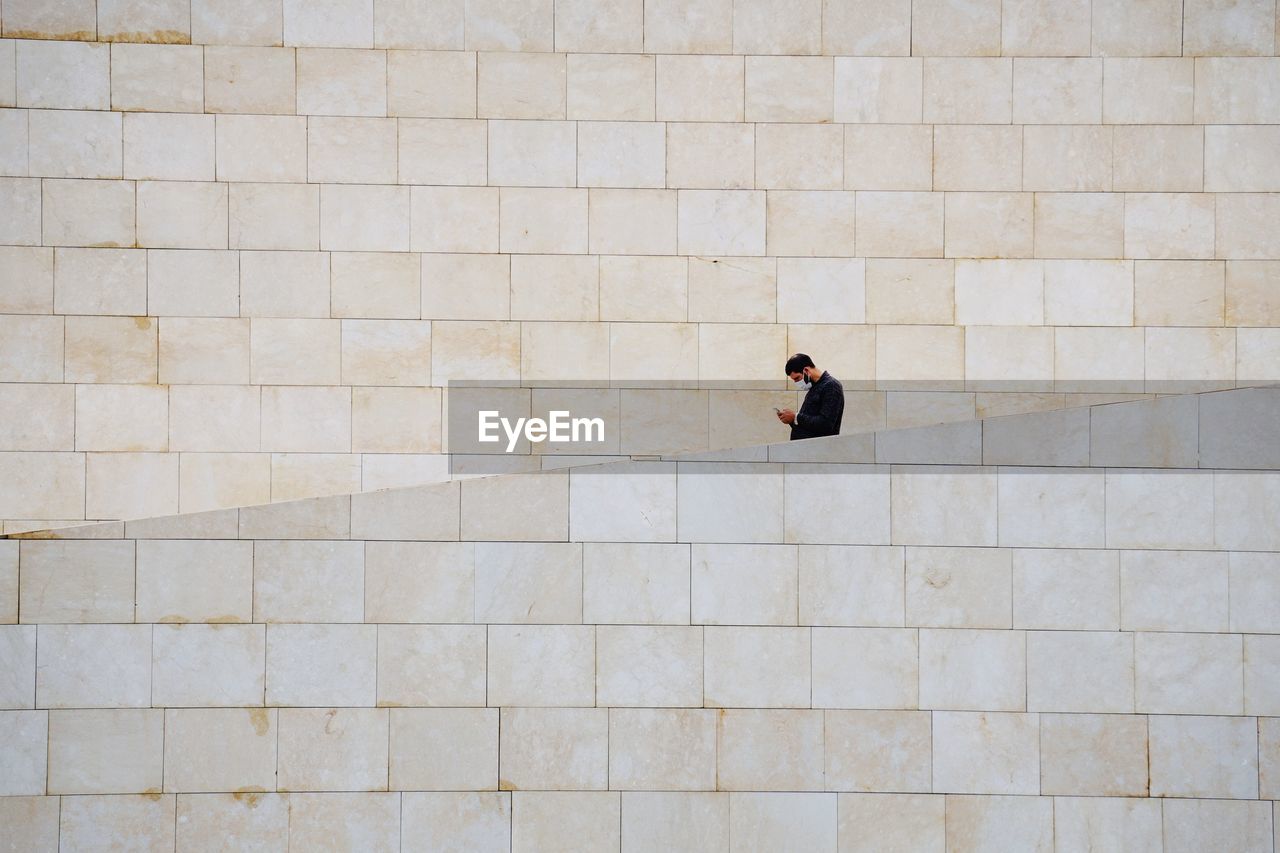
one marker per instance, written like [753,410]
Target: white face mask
[804,382]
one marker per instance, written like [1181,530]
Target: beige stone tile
[93,666]
[1178,357]
[1189,673]
[798,156]
[204,351]
[386,352]
[532,153]
[882,673]
[871,822]
[302,475]
[661,820]
[1148,509]
[1090,672]
[1148,91]
[321,665]
[528,582]
[888,157]
[1190,824]
[1161,158]
[771,820]
[877,751]
[105,752]
[1235,90]
[972,669]
[365,218]
[295,352]
[744,584]
[1137,29]
[444,749]
[210,481]
[761,26]
[649,666]
[953,29]
[721,222]
[740,351]
[770,750]
[1244,230]
[1211,27]
[380,471]
[958,587]
[367,821]
[729,502]
[1169,225]
[1057,91]
[274,216]
[1268,755]
[636,222]
[1204,757]
[1066,589]
[110,349]
[652,351]
[456,219]
[966,90]
[145,821]
[122,417]
[521,85]
[878,89]
[156,21]
[32,822]
[542,220]
[1089,292]
[431,83]
[1093,754]
[565,820]
[100,281]
[757,667]
[418,582]
[1052,507]
[73,144]
[554,749]
[860,491]
[701,88]
[208,665]
[998,822]
[431,665]
[205,820]
[182,215]
[810,223]
[130,485]
[235,22]
[989,225]
[851,585]
[443,151]
[456,820]
[1044,28]
[1253,591]
[192,283]
[62,74]
[1081,822]
[18,651]
[904,291]
[751,281]
[653,749]
[219,749]
[900,224]
[24,735]
[26,280]
[503,25]
[81,213]
[170,147]
[351,150]
[335,82]
[1079,225]
[789,88]
[194,581]
[77,581]
[282,595]
[546,348]
[688,26]
[157,77]
[248,79]
[13,137]
[375,285]
[541,665]
[611,87]
[867,28]
[1098,359]
[338,25]
[1250,300]
[395,420]
[22,197]
[986,753]
[1173,591]
[1067,157]
[958,166]
[487,292]
[72,21]
[821,290]
[636,583]
[332,749]
[900,354]
[400,24]
[458,347]
[1237,158]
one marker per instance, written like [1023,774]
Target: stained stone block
[146,820]
[659,820]
[461,820]
[1204,757]
[247,79]
[157,77]
[219,749]
[208,665]
[335,749]
[65,75]
[1098,821]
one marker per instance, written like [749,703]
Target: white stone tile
[321,665]
[729,502]
[1164,509]
[1191,824]
[431,665]
[212,749]
[943,506]
[865,668]
[1084,822]
[701,88]
[431,83]
[767,821]
[182,215]
[541,665]
[157,77]
[966,90]
[453,749]
[564,820]
[545,220]
[146,821]
[79,213]
[1254,587]
[169,147]
[554,749]
[1093,754]
[649,666]
[659,820]
[194,581]
[18,652]
[364,821]
[611,87]
[972,669]
[76,581]
[1148,90]
[986,753]
[990,225]
[1058,588]
[958,588]
[93,666]
[336,749]
[246,77]
[810,223]
[364,218]
[878,751]
[1189,673]
[532,153]
[346,23]
[870,822]
[879,89]
[341,82]
[74,144]
[106,752]
[521,85]
[1084,671]
[1214,28]
[208,665]
[789,88]
[757,667]
[636,583]
[764,26]
[1052,507]
[744,584]
[294,352]
[1067,158]
[462,821]
[1169,225]
[770,750]
[1058,91]
[1173,591]
[977,157]
[66,75]
[652,749]
[1204,757]
[851,585]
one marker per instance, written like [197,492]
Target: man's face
[800,375]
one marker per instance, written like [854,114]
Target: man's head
[800,368]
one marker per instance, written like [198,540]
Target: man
[823,405]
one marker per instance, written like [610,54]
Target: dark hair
[797,363]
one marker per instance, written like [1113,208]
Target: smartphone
[777,411]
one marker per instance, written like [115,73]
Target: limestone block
[1244,225]
[852,498]
[1214,27]
[26,282]
[122,417]
[772,27]
[207,818]
[907,354]
[345,23]
[546,348]
[649,666]
[528,582]
[454,287]
[507,25]
[106,751]
[541,665]
[1190,359]
[157,77]
[757,667]
[723,222]
[554,749]
[773,820]
[611,87]
[341,82]
[110,349]
[130,485]
[1148,90]
[344,150]
[144,21]
[1088,754]
[986,753]
[1255,583]
[1189,824]
[262,148]
[244,79]
[365,218]
[442,151]
[219,749]
[13,142]
[204,350]
[25,738]
[876,89]
[562,820]
[301,352]
[1251,298]
[50,485]
[1261,664]
[1179,293]
[1159,508]
[909,291]
[100,281]
[321,664]
[332,749]
[1005,359]
[432,665]
[541,220]
[989,225]
[1204,757]
[1052,507]
[1242,500]
[634,583]
[74,144]
[850,585]
[632,503]
[86,213]
[444,748]
[396,470]
[640,288]
[1098,821]
[1189,673]
[871,822]
[1081,671]
[966,90]
[192,283]
[284,284]
[1079,225]
[32,822]
[729,502]
[732,289]
[888,157]
[744,585]
[658,749]
[419,582]
[877,750]
[652,351]
[1173,591]
[1056,437]
[459,820]
[867,29]
[1154,158]
[977,156]
[957,587]
[431,83]
[999,292]
[386,352]
[1137,29]
[364,821]
[209,581]
[459,348]
[688,26]
[1066,589]
[316,518]
[1098,359]
[1057,91]
[77,581]
[521,85]
[789,88]
[210,481]
[866,668]
[64,75]
[1236,90]
[810,223]
[401,24]
[659,820]
[770,750]
[621,154]
[1067,157]
[208,665]
[395,419]
[93,666]
[22,197]
[947,28]
[282,594]
[972,669]
[299,475]
[1169,225]
[900,224]
[458,219]
[821,290]
[146,820]
[181,215]
[701,88]
[40,417]
[633,222]
[1045,28]
[1240,158]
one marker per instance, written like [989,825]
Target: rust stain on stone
[152,794]
[72,35]
[174,620]
[142,322]
[505,785]
[33,534]
[250,796]
[151,37]
[260,721]
[226,619]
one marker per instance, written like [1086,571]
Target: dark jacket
[821,410]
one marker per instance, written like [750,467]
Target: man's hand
[787,416]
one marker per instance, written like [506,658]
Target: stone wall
[247,243]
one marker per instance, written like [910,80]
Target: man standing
[823,405]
